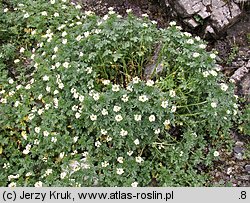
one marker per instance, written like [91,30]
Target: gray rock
[238,156]
[203,13]
[245,85]
[191,22]
[238,149]
[239,74]
[207,2]
[247,168]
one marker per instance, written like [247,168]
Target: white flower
[157,131]
[78,38]
[40,111]
[129,88]
[138,159]
[213,72]
[26,151]
[47,88]
[76,95]
[150,83]
[11,81]
[81,98]
[64,41]
[61,86]
[136,141]
[54,139]
[115,88]
[124,98]
[78,6]
[173,23]
[45,133]
[212,56]
[154,22]
[63,175]
[116,108]
[56,49]
[216,153]
[137,117]
[103,132]
[16,60]
[144,24]
[108,138]
[96,96]
[120,159]
[56,92]
[77,115]
[136,80]
[5,10]
[111,12]
[75,139]
[16,103]
[93,117]
[22,50]
[26,15]
[86,34]
[119,171]
[164,104]
[173,109]
[48,171]
[118,118]
[166,122]
[37,129]
[38,184]
[128,10]
[195,54]
[45,78]
[214,104]
[64,33]
[110,8]
[98,144]
[205,74]
[61,155]
[65,64]
[36,142]
[12,184]
[151,118]
[143,98]
[104,112]
[223,86]
[89,70]
[52,1]
[190,41]
[56,14]
[172,93]
[44,13]
[130,153]
[106,82]
[202,46]
[144,15]
[105,164]
[105,17]
[123,132]
[134,184]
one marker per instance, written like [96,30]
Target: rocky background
[225,24]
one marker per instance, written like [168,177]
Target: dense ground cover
[77,110]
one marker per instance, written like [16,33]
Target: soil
[232,169]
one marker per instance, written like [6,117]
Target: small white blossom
[123,132]
[116,108]
[164,104]
[144,15]
[216,153]
[138,159]
[65,64]
[81,98]
[137,117]
[98,144]
[166,122]
[5,10]
[47,88]
[104,112]
[22,50]
[115,88]
[104,132]
[190,41]
[40,111]
[64,41]
[54,139]
[45,133]
[106,82]
[56,92]
[136,141]
[136,80]
[56,14]
[16,103]
[16,60]
[89,70]
[118,118]
[195,54]
[105,164]
[64,33]
[75,139]
[143,98]
[172,93]
[213,72]
[120,159]
[150,83]
[11,81]
[119,171]
[202,46]
[134,184]
[86,34]
[61,86]
[205,74]
[151,118]
[96,96]
[26,15]
[12,184]
[157,131]
[224,86]
[124,98]
[128,10]
[45,78]
[63,175]
[173,109]
[44,13]
[212,56]
[173,23]
[214,104]
[77,115]
[130,153]
[93,117]
[38,184]
[52,1]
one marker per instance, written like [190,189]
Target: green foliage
[245,121]
[75,108]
